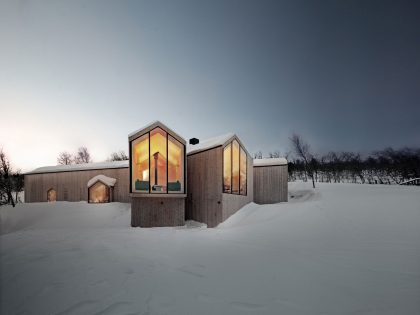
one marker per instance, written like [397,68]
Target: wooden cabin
[220,179]
[157,176]
[71,182]
[270,180]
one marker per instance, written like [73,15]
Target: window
[51,195]
[140,164]
[234,169]
[158,160]
[98,193]
[227,168]
[242,174]
[175,162]
[157,163]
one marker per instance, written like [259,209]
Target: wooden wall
[157,211]
[206,201]
[72,186]
[232,203]
[204,182]
[270,184]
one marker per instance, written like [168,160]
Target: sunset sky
[343,74]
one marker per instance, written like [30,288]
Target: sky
[345,75]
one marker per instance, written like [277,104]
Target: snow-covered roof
[79,167]
[152,125]
[209,143]
[109,181]
[270,162]
[144,127]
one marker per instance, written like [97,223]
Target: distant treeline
[388,166]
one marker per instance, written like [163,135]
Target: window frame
[231,169]
[149,192]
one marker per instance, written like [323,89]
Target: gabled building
[164,183]
[220,179]
[157,176]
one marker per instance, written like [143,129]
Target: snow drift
[343,249]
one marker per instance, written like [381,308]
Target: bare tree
[65,158]
[6,181]
[258,155]
[18,184]
[82,156]
[275,154]
[118,156]
[302,151]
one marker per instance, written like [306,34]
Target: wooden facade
[157,211]
[72,185]
[216,183]
[270,184]
[206,201]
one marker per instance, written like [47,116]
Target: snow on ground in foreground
[343,249]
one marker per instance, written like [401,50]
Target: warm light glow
[175,166]
[234,169]
[163,168]
[158,160]
[99,193]
[51,195]
[140,169]
[243,169]
[227,168]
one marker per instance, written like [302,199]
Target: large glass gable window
[157,164]
[234,169]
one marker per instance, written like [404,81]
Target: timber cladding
[270,184]
[206,201]
[157,211]
[72,185]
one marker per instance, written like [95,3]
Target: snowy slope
[341,249]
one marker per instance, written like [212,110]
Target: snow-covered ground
[343,249]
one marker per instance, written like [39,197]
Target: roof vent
[194,141]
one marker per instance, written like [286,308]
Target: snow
[157,123]
[109,181]
[338,249]
[79,167]
[209,143]
[144,127]
[270,162]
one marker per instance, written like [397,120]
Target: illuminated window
[227,168]
[242,175]
[234,169]
[175,165]
[157,163]
[158,160]
[98,193]
[51,195]
[140,164]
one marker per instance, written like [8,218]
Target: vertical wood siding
[75,183]
[154,211]
[204,181]
[270,184]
